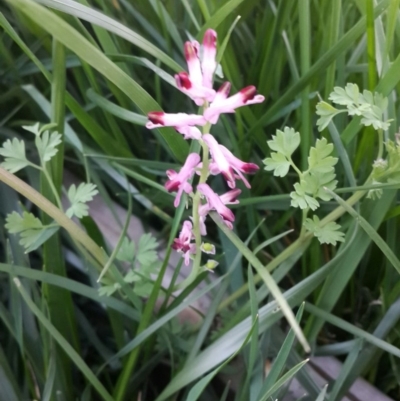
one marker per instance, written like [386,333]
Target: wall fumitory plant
[216,158]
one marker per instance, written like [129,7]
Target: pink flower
[224,104]
[183,244]
[224,162]
[179,181]
[220,164]
[195,92]
[198,83]
[214,202]
[159,119]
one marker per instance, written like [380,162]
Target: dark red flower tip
[183,80]
[172,185]
[248,92]
[178,245]
[156,117]
[250,168]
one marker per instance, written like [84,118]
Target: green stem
[196,218]
[54,212]
[52,187]
[380,139]
[196,225]
[299,173]
[303,220]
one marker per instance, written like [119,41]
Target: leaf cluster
[320,174]
[14,150]
[370,106]
[31,230]
[144,263]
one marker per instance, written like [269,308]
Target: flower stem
[380,148]
[52,187]
[196,217]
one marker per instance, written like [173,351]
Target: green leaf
[301,200]
[345,96]
[199,387]
[327,234]
[285,142]
[319,160]
[108,290]
[146,253]
[14,153]
[30,228]
[46,144]
[278,163]
[126,252]
[371,106]
[35,128]
[326,113]
[79,196]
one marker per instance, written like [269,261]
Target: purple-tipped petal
[219,160]
[208,63]
[159,119]
[245,97]
[178,182]
[215,203]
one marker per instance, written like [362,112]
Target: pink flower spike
[182,243]
[196,92]
[178,181]
[214,202]
[238,165]
[245,97]
[219,160]
[159,119]
[208,64]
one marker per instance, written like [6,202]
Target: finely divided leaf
[78,196]
[46,145]
[301,200]
[347,96]
[126,252]
[35,128]
[326,113]
[285,142]
[14,153]
[327,234]
[30,229]
[146,253]
[370,106]
[278,163]
[319,160]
